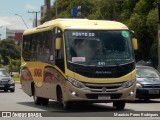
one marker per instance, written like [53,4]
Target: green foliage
[10,54]
[8,48]
[151,22]
[154,53]
[142,18]
[144,6]
[14,65]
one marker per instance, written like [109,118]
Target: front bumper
[72,93]
[7,86]
[148,93]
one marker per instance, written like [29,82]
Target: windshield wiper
[118,65]
[115,62]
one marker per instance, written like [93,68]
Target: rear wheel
[39,100]
[45,101]
[119,105]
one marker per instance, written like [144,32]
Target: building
[44,9]
[18,38]
[15,34]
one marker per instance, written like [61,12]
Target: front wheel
[65,105]
[119,105]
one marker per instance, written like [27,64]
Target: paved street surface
[21,102]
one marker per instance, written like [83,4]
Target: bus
[75,61]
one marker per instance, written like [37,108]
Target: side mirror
[134,43]
[58,43]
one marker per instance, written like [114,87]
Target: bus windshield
[98,47]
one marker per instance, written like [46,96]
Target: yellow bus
[79,60]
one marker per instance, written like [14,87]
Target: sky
[8,9]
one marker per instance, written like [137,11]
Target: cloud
[14,22]
[31,7]
[3,22]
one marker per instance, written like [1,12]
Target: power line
[35,12]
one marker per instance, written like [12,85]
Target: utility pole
[114,9]
[48,9]
[35,12]
[56,9]
[158,6]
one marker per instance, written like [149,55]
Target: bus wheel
[40,101]
[119,105]
[65,105]
[37,100]
[45,101]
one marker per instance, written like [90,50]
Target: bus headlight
[128,83]
[75,82]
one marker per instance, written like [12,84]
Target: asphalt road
[20,102]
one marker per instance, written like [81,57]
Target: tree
[8,48]
[14,65]
[151,22]
[1,61]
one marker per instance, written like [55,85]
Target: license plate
[153,91]
[1,85]
[104,97]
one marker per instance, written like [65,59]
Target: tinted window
[146,73]
[4,73]
[36,47]
[97,47]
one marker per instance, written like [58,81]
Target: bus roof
[78,24]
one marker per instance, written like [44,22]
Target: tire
[146,99]
[65,105]
[40,101]
[5,90]
[119,105]
[12,90]
[37,100]
[45,101]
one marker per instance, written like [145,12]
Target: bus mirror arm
[132,32]
[58,43]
